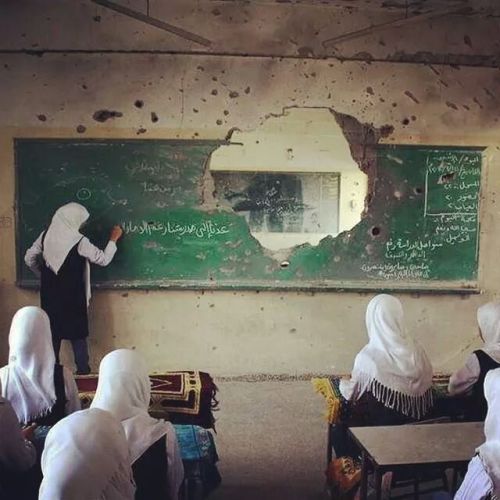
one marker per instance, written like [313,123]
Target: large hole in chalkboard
[294,179]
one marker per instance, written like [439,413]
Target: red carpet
[183,397]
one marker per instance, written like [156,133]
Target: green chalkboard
[420,231]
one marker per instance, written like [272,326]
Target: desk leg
[364,477]
[378,483]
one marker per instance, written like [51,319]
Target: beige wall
[242,333]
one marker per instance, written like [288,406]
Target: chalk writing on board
[396,271]
[83,194]
[206,229]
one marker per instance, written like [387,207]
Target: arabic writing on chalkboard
[205,229]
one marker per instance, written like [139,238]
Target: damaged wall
[186,96]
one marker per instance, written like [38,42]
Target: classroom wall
[272,61]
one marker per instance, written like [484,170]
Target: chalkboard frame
[431,287]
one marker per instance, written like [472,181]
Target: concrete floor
[271,441]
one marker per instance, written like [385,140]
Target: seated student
[392,371]
[124,389]
[61,257]
[482,480]
[470,378]
[39,390]
[86,458]
[17,453]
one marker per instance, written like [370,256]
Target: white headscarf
[392,365]
[63,234]
[488,319]
[28,380]
[86,458]
[490,450]
[124,389]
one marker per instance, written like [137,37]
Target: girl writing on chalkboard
[61,257]
[470,378]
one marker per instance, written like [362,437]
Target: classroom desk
[398,447]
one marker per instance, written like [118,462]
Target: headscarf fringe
[415,406]
[323,386]
[41,414]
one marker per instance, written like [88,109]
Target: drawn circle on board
[83,194]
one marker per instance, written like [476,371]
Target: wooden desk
[403,446]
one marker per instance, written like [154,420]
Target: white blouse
[16,453]
[85,248]
[464,378]
[477,485]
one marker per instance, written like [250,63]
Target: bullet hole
[97,19]
[81,129]
[413,118]
[446,178]
[293,330]
[105,114]
[405,121]
[214,92]
[214,348]
[226,112]
[411,96]
[418,190]
[84,87]
[305,51]
[214,79]
[219,122]
[375,231]
[369,90]
[233,94]
[216,12]
[212,305]
[125,294]
[196,134]
[247,90]
[284,264]
[451,105]
[200,68]
[468,41]
[142,130]
[261,308]
[6,66]
[154,117]
[42,118]
[386,130]
[139,104]
[195,110]
[394,104]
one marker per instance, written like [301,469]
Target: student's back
[124,390]
[470,378]
[39,390]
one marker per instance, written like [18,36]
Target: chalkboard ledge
[430,287]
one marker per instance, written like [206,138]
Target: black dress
[477,407]
[63,297]
[150,472]
[58,411]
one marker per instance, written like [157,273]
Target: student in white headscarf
[470,378]
[124,389]
[61,257]
[17,454]
[392,367]
[40,390]
[482,480]
[86,458]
